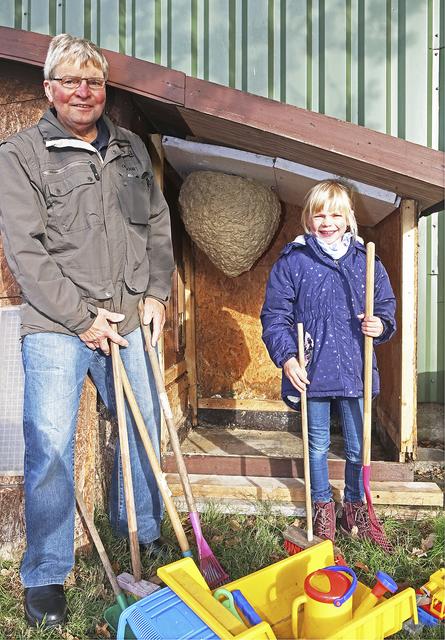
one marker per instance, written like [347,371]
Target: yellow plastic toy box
[271,592]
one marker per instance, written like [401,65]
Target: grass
[243,544]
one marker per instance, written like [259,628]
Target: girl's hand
[296,374]
[371,325]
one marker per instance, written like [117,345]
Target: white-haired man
[86,234]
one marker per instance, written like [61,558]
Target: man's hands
[371,325]
[154,311]
[100,332]
[296,374]
[97,336]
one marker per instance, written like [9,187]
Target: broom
[377,530]
[294,539]
[209,566]
[299,541]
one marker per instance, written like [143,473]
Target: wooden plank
[190,327]
[408,389]
[387,237]
[266,466]
[178,399]
[179,334]
[157,158]
[238,404]
[227,116]
[286,489]
[297,509]
[174,372]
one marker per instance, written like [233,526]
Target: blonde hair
[329,195]
[67,48]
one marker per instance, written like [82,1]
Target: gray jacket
[81,232]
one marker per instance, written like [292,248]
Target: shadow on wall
[224,357]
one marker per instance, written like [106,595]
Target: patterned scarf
[337,249]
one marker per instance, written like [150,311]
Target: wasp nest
[232,219]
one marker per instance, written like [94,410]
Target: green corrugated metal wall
[373,62]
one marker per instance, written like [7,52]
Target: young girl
[319,280]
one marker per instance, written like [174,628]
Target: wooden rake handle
[305,434]
[125,459]
[151,454]
[163,399]
[98,544]
[367,369]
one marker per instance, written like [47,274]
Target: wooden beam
[190,327]
[277,467]
[157,159]
[284,489]
[408,390]
[388,239]
[237,404]
[235,118]
[180,310]
[297,509]
[174,372]
[178,398]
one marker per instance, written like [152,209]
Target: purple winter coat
[307,285]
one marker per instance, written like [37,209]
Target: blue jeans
[55,369]
[351,417]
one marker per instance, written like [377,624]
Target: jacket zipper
[49,172]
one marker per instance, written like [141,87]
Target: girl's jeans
[55,369]
[350,411]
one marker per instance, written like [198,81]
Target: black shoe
[153,549]
[46,603]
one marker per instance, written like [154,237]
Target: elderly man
[86,234]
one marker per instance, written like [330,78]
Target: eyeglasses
[74,82]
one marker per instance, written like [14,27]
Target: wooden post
[190,328]
[157,159]
[408,301]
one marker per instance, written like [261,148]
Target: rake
[377,529]
[209,566]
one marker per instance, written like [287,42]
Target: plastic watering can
[327,602]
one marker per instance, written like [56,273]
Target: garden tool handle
[305,435]
[368,352]
[152,458]
[163,399]
[125,460]
[98,544]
